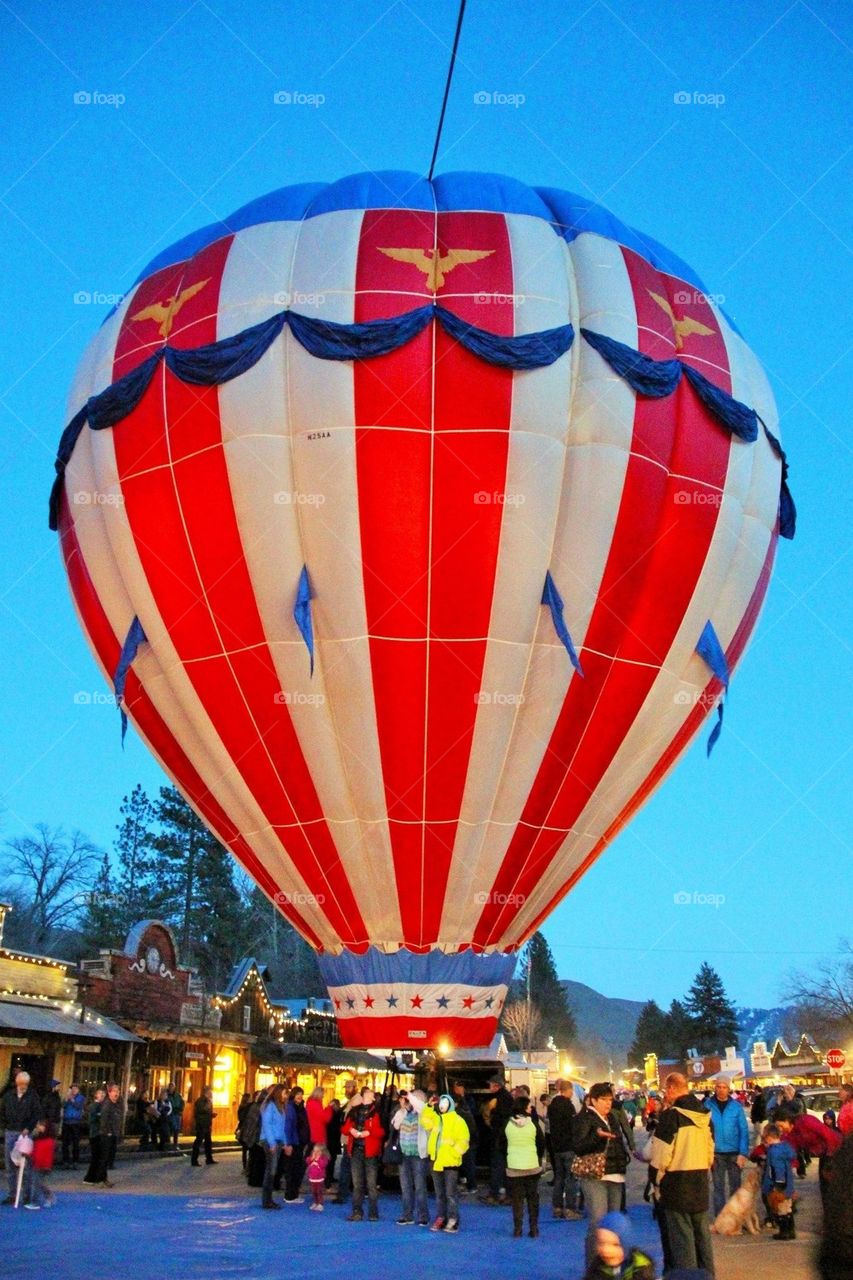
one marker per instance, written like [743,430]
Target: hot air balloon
[419,526]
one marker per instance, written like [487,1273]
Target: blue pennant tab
[554,601]
[135,637]
[711,652]
[302,613]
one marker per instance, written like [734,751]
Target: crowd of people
[696,1148]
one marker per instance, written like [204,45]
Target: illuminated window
[224,1073]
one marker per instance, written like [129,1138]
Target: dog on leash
[741,1209]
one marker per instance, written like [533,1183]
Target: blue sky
[753,191]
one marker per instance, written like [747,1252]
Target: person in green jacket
[447,1143]
[523,1146]
[615,1256]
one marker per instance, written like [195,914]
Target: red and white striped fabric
[445,776]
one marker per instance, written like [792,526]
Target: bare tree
[823,997]
[49,874]
[522,1022]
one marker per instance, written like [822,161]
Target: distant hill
[607,1024]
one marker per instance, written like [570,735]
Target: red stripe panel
[660,543]
[460,1033]
[454,555]
[476,397]
[159,737]
[690,726]
[185,528]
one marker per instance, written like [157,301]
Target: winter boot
[517,1217]
[786,1228]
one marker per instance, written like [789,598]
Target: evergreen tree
[538,984]
[193,874]
[272,939]
[102,922]
[711,1014]
[138,895]
[679,1031]
[652,1034]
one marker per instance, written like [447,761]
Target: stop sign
[835,1059]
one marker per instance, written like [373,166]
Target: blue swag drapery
[219,362]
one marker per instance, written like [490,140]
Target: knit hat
[620,1225]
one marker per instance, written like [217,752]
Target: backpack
[250,1129]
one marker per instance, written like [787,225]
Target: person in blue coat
[731,1141]
[273,1141]
[72,1122]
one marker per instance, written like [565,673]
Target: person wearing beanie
[522,1148]
[616,1258]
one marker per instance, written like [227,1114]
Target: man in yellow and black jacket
[682,1155]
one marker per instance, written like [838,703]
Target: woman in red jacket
[364,1133]
[319,1116]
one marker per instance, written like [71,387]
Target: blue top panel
[373,966]
[569,214]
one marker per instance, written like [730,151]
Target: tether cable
[447,88]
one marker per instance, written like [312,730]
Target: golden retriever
[741,1209]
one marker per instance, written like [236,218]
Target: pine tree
[679,1031]
[272,939]
[712,1017]
[138,894]
[539,984]
[652,1034]
[194,876]
[102,921]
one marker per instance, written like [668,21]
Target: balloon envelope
[415,526]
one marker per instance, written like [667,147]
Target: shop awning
[54,1022]
[312,1055]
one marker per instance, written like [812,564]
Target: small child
[318,1162]
[41,1163]
[777,1184]
[615,1255]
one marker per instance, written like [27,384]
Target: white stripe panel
[296,499]
[111,558]
[568,531]
[728,580]
[486,1000]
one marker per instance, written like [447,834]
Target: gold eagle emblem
[434,264]
[163,313]
[683,327]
